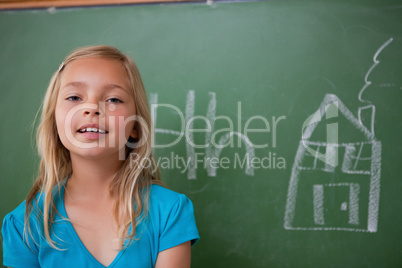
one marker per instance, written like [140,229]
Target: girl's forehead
[95,70]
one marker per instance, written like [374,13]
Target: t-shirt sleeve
[16,252]
[180,225]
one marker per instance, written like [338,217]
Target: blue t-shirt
[170,223]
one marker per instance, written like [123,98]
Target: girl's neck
[91,177]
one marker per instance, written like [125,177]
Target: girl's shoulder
[162,196]
[172,215]
[163,193]
[13,227]
[18,214]
[168,204]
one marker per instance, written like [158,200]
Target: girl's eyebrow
[75,84]
[79,84]
[113,86]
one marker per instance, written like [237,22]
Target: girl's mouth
[92,130]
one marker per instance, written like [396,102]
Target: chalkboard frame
[28,4]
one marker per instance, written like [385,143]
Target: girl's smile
[92,131]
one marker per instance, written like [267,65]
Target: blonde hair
[129,187]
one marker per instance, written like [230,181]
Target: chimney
[366,115]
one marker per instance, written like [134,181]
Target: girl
[93,205]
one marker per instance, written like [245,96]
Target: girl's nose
[93,109]
[87,112]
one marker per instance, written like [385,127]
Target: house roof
[325,106]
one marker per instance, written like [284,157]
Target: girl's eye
[114,100]
[73,98]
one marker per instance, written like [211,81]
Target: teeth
[91,129]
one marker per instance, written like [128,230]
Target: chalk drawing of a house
[327,194]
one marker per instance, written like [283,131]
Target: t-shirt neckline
[77,239]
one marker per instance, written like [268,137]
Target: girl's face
[95,108]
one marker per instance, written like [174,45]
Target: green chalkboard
[297,106]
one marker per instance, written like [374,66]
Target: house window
[316,157]
[357,158]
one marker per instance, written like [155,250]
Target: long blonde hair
[129,187]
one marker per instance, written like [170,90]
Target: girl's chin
[96,153]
